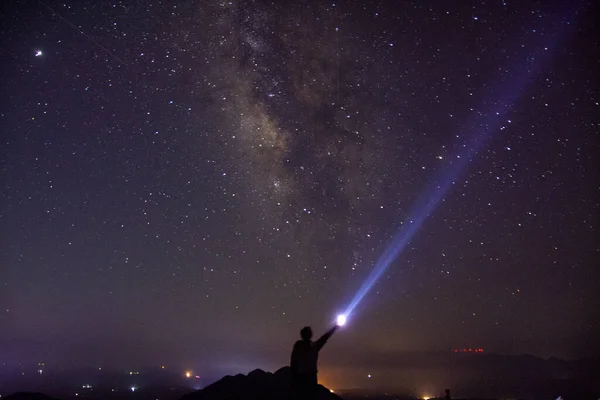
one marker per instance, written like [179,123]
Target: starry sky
[193,182]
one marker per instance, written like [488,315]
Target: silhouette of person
[447,397]
[304,360]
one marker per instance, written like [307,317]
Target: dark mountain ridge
[258,384]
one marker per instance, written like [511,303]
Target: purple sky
[194,182]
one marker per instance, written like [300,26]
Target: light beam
[479,129]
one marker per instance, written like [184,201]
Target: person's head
[306,333]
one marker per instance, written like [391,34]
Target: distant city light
[188,374]
[133,388]
[469,350]
[38,53]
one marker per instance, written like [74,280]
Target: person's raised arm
[323,339]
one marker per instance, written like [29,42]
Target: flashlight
[341,320]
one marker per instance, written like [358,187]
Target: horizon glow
[479,129]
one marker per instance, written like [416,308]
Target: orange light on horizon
[188,374]
[469,350]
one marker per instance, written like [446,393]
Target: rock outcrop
[257,385]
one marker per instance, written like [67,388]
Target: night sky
[193,182]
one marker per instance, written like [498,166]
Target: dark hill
[258,384]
